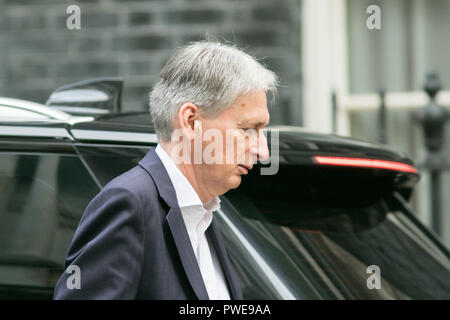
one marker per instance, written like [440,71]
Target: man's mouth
[244,168]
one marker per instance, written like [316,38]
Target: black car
[333,223]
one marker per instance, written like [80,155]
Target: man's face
[242,142]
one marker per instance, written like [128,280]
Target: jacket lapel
[186,252]
[216,238]
[153,165]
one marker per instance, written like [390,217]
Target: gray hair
[210,75]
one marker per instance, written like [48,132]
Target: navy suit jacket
[132,243]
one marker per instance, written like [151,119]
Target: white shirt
[197,218]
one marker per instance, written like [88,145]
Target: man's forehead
[256,112]
[250,109]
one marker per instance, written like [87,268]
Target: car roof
[292,138]
[35,112]
[296,146]
[137,127]
[129,121]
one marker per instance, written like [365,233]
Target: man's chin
[235,181]
[232,183]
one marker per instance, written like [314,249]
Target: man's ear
[187,114]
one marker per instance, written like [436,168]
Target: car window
[266,266]
[42,197]
[336,246]
[108,162]
[407,269]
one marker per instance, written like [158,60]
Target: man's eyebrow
[253,123]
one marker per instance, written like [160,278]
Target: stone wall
[133,39]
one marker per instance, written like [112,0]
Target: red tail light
[366,163]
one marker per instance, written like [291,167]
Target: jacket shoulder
[136,181]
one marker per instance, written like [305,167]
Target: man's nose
[260,150]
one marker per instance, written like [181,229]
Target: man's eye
[248,132]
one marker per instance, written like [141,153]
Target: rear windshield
[328,248]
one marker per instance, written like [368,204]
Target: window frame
[325,47]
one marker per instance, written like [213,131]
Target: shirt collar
[186,194]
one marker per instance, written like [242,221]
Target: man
[150,233]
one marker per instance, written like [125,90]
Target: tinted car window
[42,198]
[408,268]
[266,264]
[108,162]
[332,241]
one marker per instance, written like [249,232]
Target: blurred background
[134,39]
[337,74]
